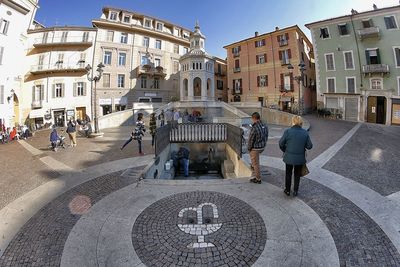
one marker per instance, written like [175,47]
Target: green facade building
[357,60]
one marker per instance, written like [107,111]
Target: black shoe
[287,192]
[295,193]
[254,180]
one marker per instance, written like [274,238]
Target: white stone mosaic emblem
[200,229]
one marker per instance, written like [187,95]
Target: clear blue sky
[222,21]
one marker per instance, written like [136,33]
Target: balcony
[57,68]
[285,88]
[285,62]
[371,32]
[235,70]
[78,41]
[37,104]
[283,43]
[237,91]
[236,54]
[375,69]
[148,69]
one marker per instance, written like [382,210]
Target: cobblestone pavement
[371,157]
[224,232]
[359,240]
[40,242]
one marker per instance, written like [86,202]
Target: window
[176,49]
[146,41]
[127,19]
[157,62]
[1,54]
[262,80]
[45,37]
[343,29]
[107,57]
[330,62]
[237,86]
[85,37]
[124,38]
[106,80]
[396,56]
[259,43]
[159,26]
[4,25]
[348,60]
[121,80]
[121,59]
[110,36]
[143,82]
[287,82]
[145,60]
[351,85]
[376,84]
[261,59]
[236,50]
[285,56]
[367,23]
[80,89]
[185,50]
[147,23]
[60,61]
[331,85]
[156,83]
[1,94]
[38,93]
[283,39]
[82,60]
[372,56]
[64,37]
[158,44]
[324,33]
[220,84]
[113,16]
[390,22]
[58,90]
[176,66]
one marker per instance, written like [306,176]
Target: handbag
[304,170]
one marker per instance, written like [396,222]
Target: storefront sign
[70,113]
[121,101]
[105,101]
[150,94]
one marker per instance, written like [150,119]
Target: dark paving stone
[41,240]
[159,241]
[371,157]
[359,240]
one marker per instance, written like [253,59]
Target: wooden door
[372,108]
[80,113]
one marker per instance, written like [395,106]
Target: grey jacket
[294,143]
[258,136]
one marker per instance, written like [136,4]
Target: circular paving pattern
[199,228]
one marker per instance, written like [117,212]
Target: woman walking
[71,131]
[137,134]
[294,143]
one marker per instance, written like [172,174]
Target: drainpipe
[248,66]
[273,61]
[93,99]
[130,78]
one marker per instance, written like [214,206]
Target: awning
[121,101]
[36,113]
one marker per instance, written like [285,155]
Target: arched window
[197,65]
[200,66]
[194,65]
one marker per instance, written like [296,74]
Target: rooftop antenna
[375,7]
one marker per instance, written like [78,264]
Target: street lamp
[94,78]
[300,81]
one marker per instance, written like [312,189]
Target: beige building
[141,57]
[220,76]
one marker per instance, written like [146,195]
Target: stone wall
[116,119]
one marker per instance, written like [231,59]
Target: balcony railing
[235,70]
[237,91]
[283,42]
[285,62]
[370,32]
[37,104]
[285,88]
[375,69]
[236,54]
[58,67]
[70,40]
[151,71]
[196,98]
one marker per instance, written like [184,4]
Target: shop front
[120,103]
[286,101]
[105,105]
[396,111]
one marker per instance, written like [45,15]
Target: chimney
[276,28]
[256,34]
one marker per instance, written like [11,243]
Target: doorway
[107,109]
[261,100]
[376,109]
[59,118]
[81,113]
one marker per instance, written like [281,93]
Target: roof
[270,33]
[308,25]
[62,28]
[143,15]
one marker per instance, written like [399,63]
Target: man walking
[257,141]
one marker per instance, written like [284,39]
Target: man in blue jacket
[257,141]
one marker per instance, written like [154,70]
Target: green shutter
[84,89]
[62,90]
[367,57]
[53,90]
[75,93]
[397,52]
[33,93]
[378,56]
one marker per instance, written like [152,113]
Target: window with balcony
[144,60]
[372,56]
[121,59]
[146,41]
[64,37]
[4,25]
[324,33]
[285,56]
[367,23]
[376,84]
[396,56]
[1,54]
[121,81]
[158,44]
[106,80]
[331,85]
[156,83]
[157,62]
[58,90]
[343,30]
[159,26]
[143,82]
[259,43]
[113,16]
[261,59]
[262,81]
[147,23]
[176,48]
[390,22]
[348,60]
[85,37]
[351,85]
[107,57]
[330,62]
[124,38]
[127,19]
[110,36]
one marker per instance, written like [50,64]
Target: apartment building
[16,17]
[257,70]
[56,86]
[141,57]
[220,80]
[358,64]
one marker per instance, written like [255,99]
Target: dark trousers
[140,146]
[127,142]
[152,139]
[289,173]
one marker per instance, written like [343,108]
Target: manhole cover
[199,228]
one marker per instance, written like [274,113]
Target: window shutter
[240,82]
[378,56]
[42,92]
[233,84]
[33,93]
[257,59]
[278,38]
[282,81]
[367,57]
[62,90]
[255,43]
[291,82]
[84,89]
[233,50]
[258,81]
[266,80]
[387,22]
[1,54]
[75,90]
[289,53]
[280,55]
[263,42]
[397,52]
[53,90]
[239,48]
[265,58]
[6,27]
[287,36]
